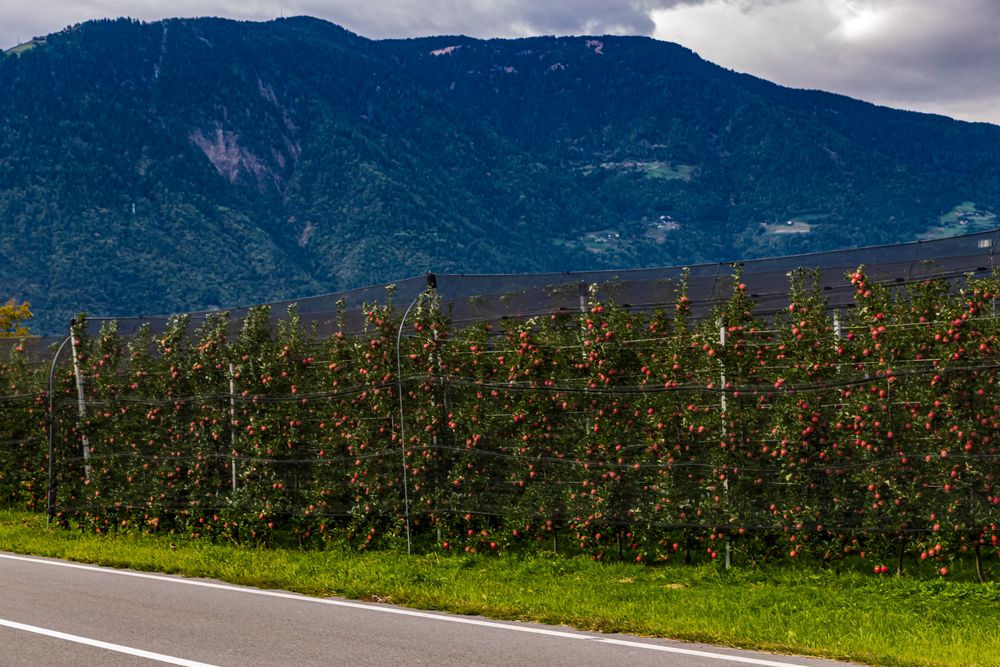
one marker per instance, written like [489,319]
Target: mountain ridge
[197,163]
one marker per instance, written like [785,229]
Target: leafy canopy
[12,317]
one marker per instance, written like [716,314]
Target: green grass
[668,171]
[797,227]
[965,218]
[876,620]
[26,46]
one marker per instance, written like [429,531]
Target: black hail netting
[620,409]
[475,298]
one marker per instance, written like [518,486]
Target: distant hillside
[190,164]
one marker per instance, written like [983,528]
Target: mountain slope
[189,164]
[759,152]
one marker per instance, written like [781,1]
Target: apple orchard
[647,436]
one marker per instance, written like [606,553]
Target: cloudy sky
[929,55]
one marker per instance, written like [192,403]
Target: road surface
[58,613]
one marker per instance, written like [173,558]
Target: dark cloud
[922,54]
[380,18]
[917,54]
[492,18]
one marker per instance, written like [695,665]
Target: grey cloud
[491,18]
[942,54]
[928,54]
[918,54]
[385,18]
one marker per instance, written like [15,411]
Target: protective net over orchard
[476,298]
[646,413]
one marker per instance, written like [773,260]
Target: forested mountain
[198,163]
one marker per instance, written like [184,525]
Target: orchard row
[644,434]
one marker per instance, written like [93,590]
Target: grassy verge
[849,615]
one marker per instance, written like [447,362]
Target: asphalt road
[56,613]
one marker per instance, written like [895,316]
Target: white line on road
[701,654]
[409,612]
[118,648]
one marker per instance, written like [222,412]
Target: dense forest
[192,164]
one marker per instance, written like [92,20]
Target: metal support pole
[232,421]
[583,293]
[722,377]
[724,406]
[435,361]
[431,282]
[81,401]
[50,507]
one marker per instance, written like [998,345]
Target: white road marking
[117,648]
[408,612]
[701,654]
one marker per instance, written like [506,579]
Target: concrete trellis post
[81,400]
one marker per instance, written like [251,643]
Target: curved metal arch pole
[402,419]
[51,501]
